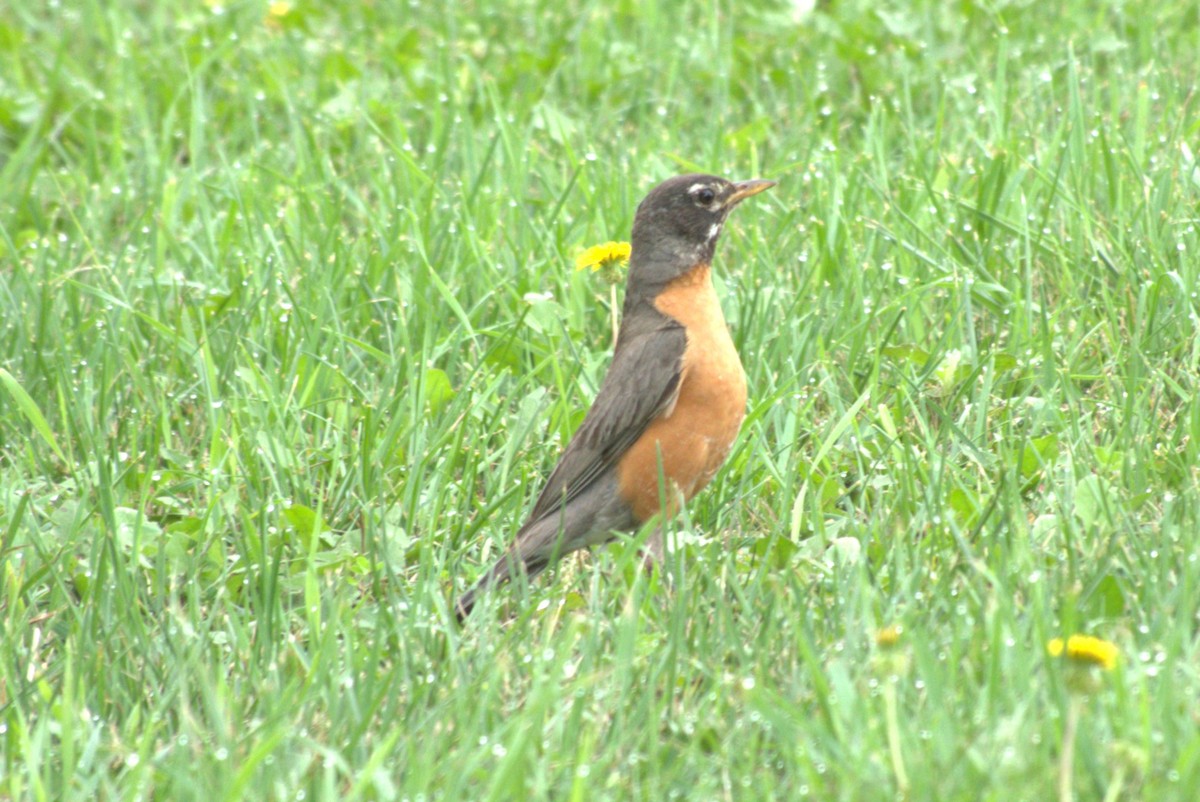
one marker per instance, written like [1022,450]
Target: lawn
[291,334]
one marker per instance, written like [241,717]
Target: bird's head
[677,225]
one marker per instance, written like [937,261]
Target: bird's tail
[538,544]
[507,567]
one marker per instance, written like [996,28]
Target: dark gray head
[678,223]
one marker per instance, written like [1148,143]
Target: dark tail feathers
[503,571]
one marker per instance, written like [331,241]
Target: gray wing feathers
[642,383]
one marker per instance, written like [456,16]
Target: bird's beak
[744,189]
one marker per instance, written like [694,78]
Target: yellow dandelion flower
[888,637]
[1085,650]
[279,9]
[608,259]
[602,257]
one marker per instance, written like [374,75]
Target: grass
[279,372]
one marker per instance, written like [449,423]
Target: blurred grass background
[289,337]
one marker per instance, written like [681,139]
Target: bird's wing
[642,383]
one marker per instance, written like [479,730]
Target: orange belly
[689,443]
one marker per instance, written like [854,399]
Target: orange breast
[695,436]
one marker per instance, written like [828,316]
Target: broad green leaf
[303,521]
[907,353]
[436,389]
[1093,496]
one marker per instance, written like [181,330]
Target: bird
[672,400]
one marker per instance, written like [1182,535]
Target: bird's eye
[706,196]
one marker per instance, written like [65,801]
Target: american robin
[672,401]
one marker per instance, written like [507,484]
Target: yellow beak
[744,189]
